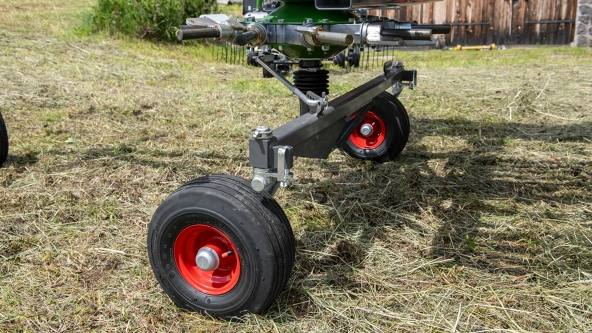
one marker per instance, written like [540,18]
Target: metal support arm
[315,134]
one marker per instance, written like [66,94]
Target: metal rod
[413,34]
[550,21]
[308,125]
[296,91]
[187,34]
[468,23]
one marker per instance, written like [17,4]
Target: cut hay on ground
[483,223]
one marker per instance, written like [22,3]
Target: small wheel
[3,141]
[382,134]
[218,247]
[339,60]
[353,57]
[266,74]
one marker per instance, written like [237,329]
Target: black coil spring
[308,79]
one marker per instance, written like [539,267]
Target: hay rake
[362,57]
[221,244]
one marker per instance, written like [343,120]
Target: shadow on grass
[156,159]
[489,204]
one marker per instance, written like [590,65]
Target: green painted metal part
[299,12]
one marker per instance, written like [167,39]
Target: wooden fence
[503,22]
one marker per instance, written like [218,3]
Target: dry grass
[484,222]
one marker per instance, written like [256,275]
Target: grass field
[482,224]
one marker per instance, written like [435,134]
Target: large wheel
[218,247]
[3,141]
[382,134]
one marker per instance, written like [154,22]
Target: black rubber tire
[266,73]
[396,121]
[253,222]
[339,60]
[353,57]
[3,141]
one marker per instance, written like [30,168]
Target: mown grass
[482,224]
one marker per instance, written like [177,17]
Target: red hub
[370,132]
[223,275]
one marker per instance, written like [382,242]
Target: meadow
[483,224]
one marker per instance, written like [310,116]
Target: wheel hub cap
[371,132]
[207,259]
[366,130]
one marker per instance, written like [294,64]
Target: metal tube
[335,38]
[247,37]
[408,34]
[297,131]
[191,33]
[296,91]
[437,29]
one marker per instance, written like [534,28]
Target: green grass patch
[482,223]
[155,19]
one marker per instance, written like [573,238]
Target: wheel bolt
[366,130]
[207,259]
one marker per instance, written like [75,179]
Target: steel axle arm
[316,134]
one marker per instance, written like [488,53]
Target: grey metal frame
[316,133]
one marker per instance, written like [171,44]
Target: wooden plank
[454,17]
[439,17]
[518,12]
[476,16]
[572,13]
[498,21]
[488,15]
[555,37]
[562,34]
[541,29]
[531,30]
[468,9]
[548,14]
[428,10]
[507,20]
[461,18]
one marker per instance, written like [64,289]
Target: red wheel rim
[375,138]
[214,282]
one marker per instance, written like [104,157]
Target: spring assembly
[311,77]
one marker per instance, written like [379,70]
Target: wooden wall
[503,22]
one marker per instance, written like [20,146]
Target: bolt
[325,20]
[366,130]
[262,132]
[258,183]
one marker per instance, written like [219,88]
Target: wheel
[339,60]
[382,134]
[3,141]
[218,247]
[266,74]
[353,57]
[251,59]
